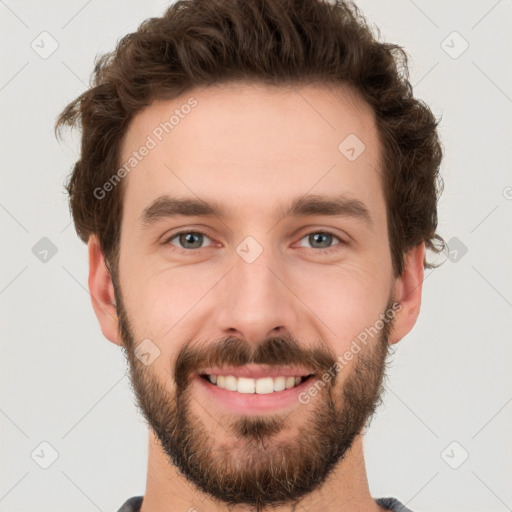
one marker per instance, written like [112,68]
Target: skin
[253,148]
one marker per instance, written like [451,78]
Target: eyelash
[199,232]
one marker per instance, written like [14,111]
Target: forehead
[252,145]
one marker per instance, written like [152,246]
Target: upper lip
[256,371]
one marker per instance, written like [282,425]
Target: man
[257,186]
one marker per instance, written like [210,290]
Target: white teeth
[265,385]
[260,386]
[279,383]
[245,385]
[230,383]
[290,382]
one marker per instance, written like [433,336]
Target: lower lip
[247,403]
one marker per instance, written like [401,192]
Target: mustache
[235,352]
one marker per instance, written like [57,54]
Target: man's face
[257,294]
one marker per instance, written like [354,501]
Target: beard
[256,466]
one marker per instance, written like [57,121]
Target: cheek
[168,305]
[347,298]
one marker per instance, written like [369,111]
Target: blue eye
[190,240]
[322,237]
[185,238]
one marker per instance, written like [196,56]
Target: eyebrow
[333,206]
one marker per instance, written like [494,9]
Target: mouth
[261,386]
[254,389]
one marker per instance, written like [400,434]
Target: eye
[322,238]
[188,239]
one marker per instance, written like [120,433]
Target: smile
[259,386]
[254,389]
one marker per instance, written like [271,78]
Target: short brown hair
[276,42]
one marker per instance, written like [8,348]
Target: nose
[255,301]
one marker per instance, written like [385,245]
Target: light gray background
[450,381]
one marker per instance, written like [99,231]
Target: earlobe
[407,292]
[101,289]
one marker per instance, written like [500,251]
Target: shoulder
[392,504]
[132,504]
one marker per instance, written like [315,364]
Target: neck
[345,490]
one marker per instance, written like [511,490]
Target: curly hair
[275,42]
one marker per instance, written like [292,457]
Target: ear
[407,292]
[102,292]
